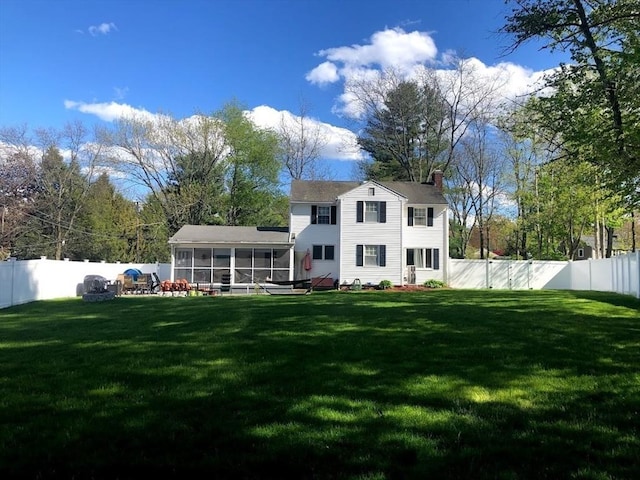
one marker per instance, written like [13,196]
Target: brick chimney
[436,179]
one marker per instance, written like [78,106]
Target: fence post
[638,273]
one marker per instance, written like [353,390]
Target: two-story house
[370,231]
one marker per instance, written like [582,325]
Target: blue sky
[93,60]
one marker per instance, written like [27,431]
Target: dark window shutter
[383,212]
[317,252]
[333,214]
[359,255]
[360,211]
[430,217]
[382,255]
[314,214]
[436,259]
[411,256]
[410,217]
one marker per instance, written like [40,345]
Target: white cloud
[390,48]
[102,29]
[340,143]
[108,111]
[407,54]
[326,72]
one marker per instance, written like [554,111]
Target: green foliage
[404,136]
[432,283]
[252,189]
[594,105]
[384,284]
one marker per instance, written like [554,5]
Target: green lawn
[370,385]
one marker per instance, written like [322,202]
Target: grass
[369,385]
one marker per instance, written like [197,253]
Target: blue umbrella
[134,272]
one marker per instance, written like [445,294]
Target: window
[323,252]
[420,216]
[258,264]
[371,255]
[323,214]
[371,212]
[372,191]
[424,258]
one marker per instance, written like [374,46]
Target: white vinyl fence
[28,280]
[619,274]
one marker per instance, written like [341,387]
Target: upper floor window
[372,191]
[323,214]
[371,212]
[420,216]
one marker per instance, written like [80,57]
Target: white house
[370,231]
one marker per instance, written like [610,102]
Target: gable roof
[231,235]
[321,191]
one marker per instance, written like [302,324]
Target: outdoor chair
[143,283]
[127,283]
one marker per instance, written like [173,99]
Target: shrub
[384,284]
[434,283]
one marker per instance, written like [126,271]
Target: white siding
[308,235]
[353,233]
[419,236]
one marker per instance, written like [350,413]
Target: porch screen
[259,264]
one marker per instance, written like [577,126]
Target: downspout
[445,243]
[173,262]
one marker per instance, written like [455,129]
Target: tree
[178,162]
[252,195]
[595,101]
[523,144]
[301,142]
[17,185]
[59,189]
[106,225]
[404,132]
[481,170]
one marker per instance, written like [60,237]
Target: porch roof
[220,234]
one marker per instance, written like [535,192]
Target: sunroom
[213,255]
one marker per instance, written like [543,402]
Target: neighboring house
[587,248]
[369,231]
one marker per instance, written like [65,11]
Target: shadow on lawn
[383,385]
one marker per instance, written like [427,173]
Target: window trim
[381,255]
[428,218]
[430,256]
[361,211]
[333,214]
[319,252]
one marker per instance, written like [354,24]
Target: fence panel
[28,280]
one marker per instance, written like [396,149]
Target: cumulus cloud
[408,54]
[102,29]
[108,111]
[390,48]
[339,143]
